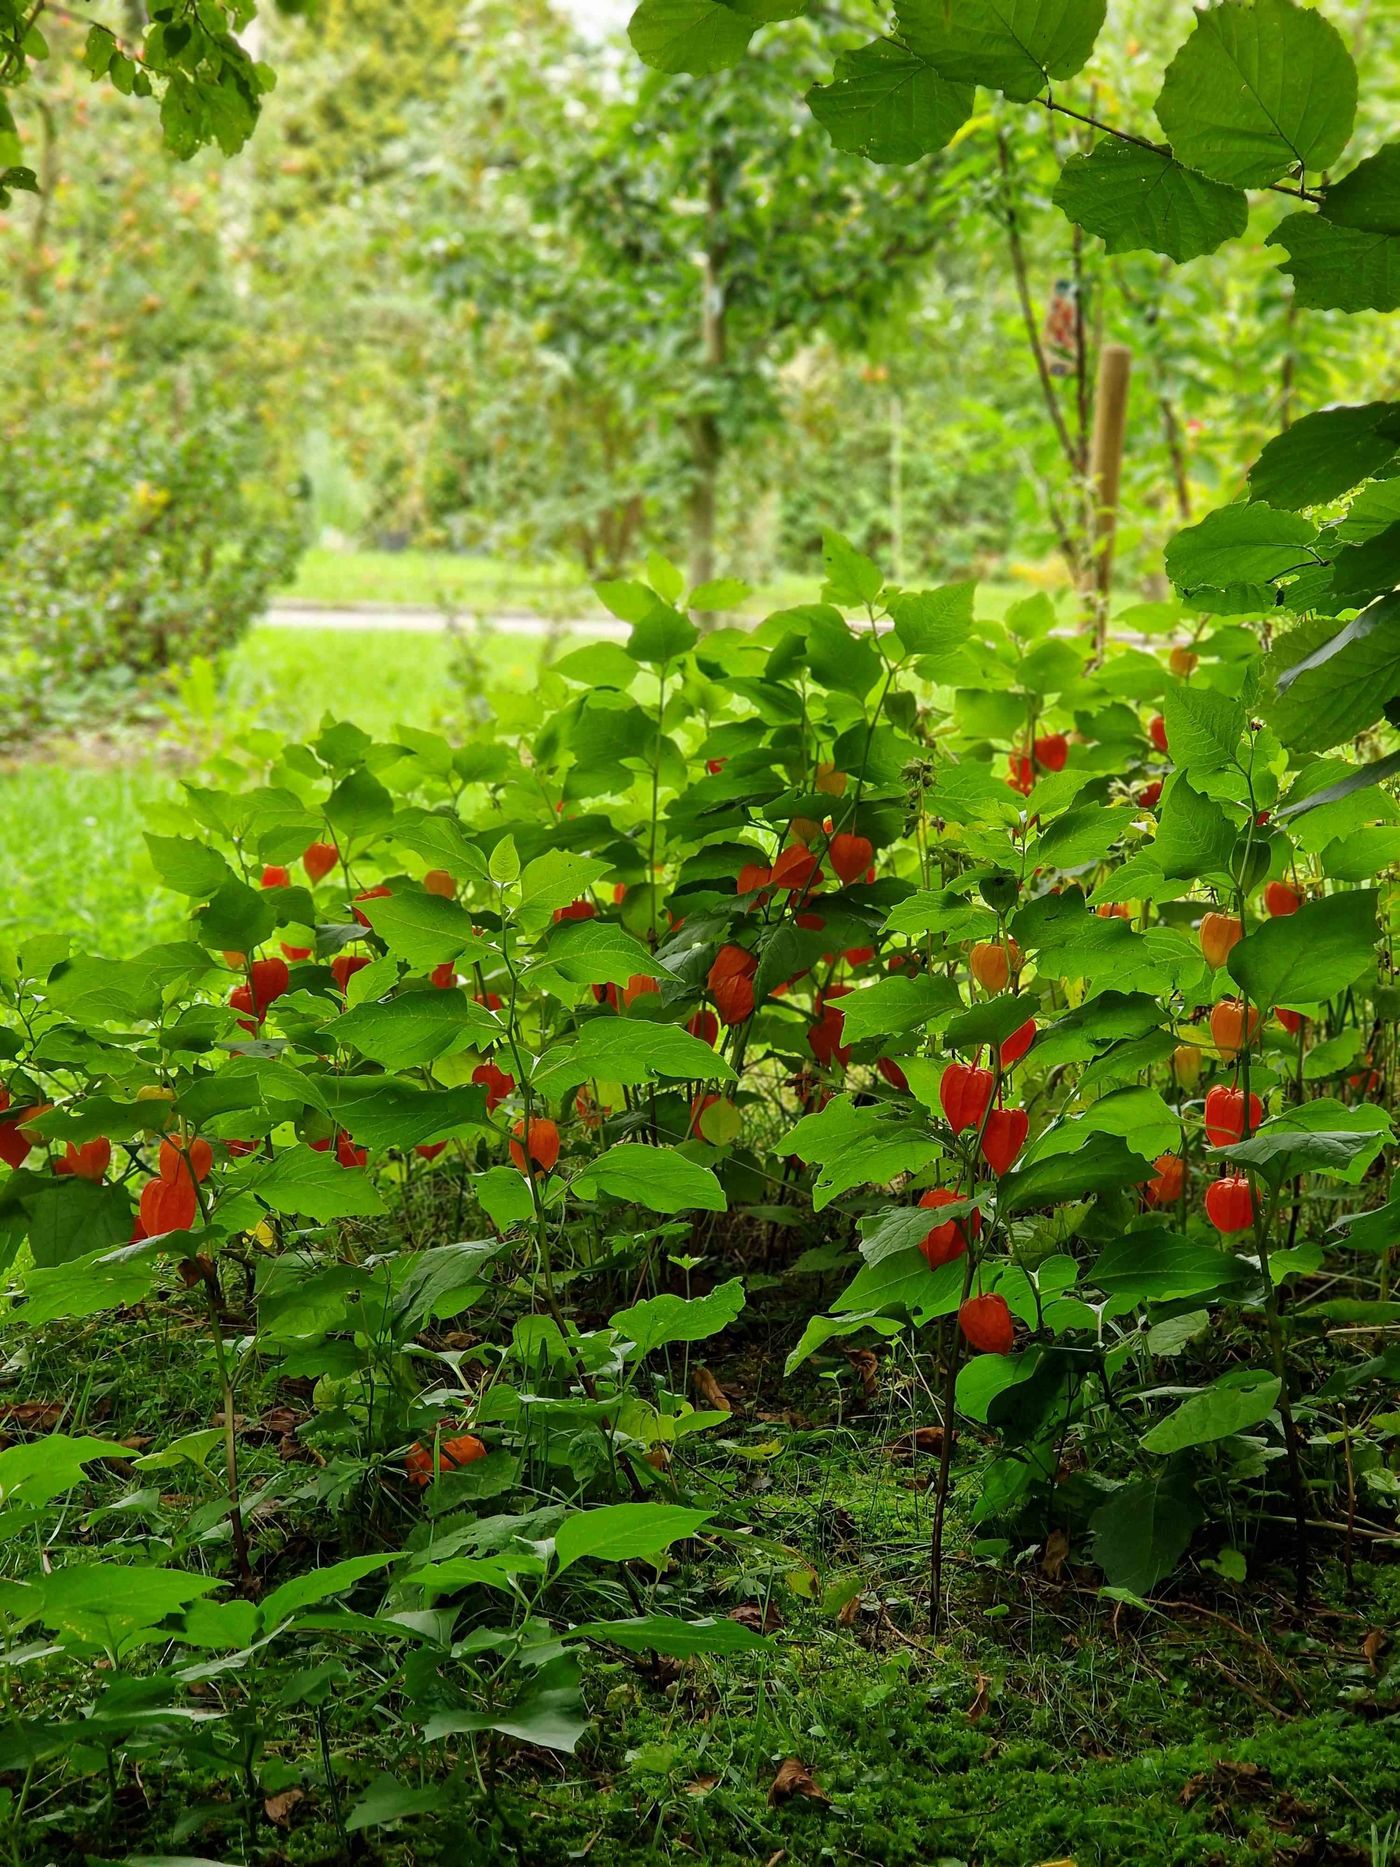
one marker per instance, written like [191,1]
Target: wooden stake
[1105,474]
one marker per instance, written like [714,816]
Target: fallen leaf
[758,1618]
[795,1779]
[278,1808]
[41,1415]
[1056,1555]
[867,1366]
[977,1710]
[848,1614]
[709,1392]
[701,1786]
[1373,1646]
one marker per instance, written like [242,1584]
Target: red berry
[1015,1047]
[1157,732]
[704,1025]
[344,967]
[1280,899]
[987,1324]
[275,876]
[1225,1116]
[269,980]
[1052,751]
[541,1137]
[1003,1138]
[949,1240]
[168,1206]
[851,856]
[1165,1189]
[965,1092]
[1230,1204]
[318,859]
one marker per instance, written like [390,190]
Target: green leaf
[657,1321]
[1103,1163]
[1203,727]
[1142,1532]
[1322,1136]
[658,1178]
[40,1469]
[852,580]
[1015,46]
[631,1051]
[1338,268]
[858,1146]
[188,866]
[934,622]
[387,1111]
[304,1591]
[1311,956]
[553,881]
[1233,1404]
[1342,687]
[106,1280]
[667,1633]
[662,634]
[387,1801]
[697,36]
[1369,197]
[415,1027]
[425,930]
[886,103]
[1133,199]
[300,1180]
[1325,454]
[624,1533]
[1194,836]
[106,1603]
[1260,87]
[1243,544]
[893,1005]
[549,1713]
[1162,1267]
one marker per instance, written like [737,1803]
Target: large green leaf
[1339,268]
[1341,687]
[1133,199]
[697,36]
[1160,1267]
[1308,957]
[658,1178]
[549,1713]
[1260,87]
[1101,1164]
[1244,544]
[1015,46]
[426,930]
[1326,454]
[888,104]
[628,1050]
[301,1180]
[624,1533]
[667,1633]
[859,1146]
[40,1469]
[1322,1136]
[1203,727]
[1234,1403]
[1141,1533]
[415,1027]
[656,1321]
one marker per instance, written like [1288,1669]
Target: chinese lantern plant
[723,957]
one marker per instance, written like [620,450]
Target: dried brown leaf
[279,1808]
[1056,1555]
[709,1392]
[981,1700]
[759,1618]
[795,1779]
[1373,1646]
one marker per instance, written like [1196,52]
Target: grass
[77,861]
[1046,1725]
[492,586]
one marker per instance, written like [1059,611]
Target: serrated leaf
[1260,87]
[1136,199]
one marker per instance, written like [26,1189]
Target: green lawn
[77,860]
[479,585]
